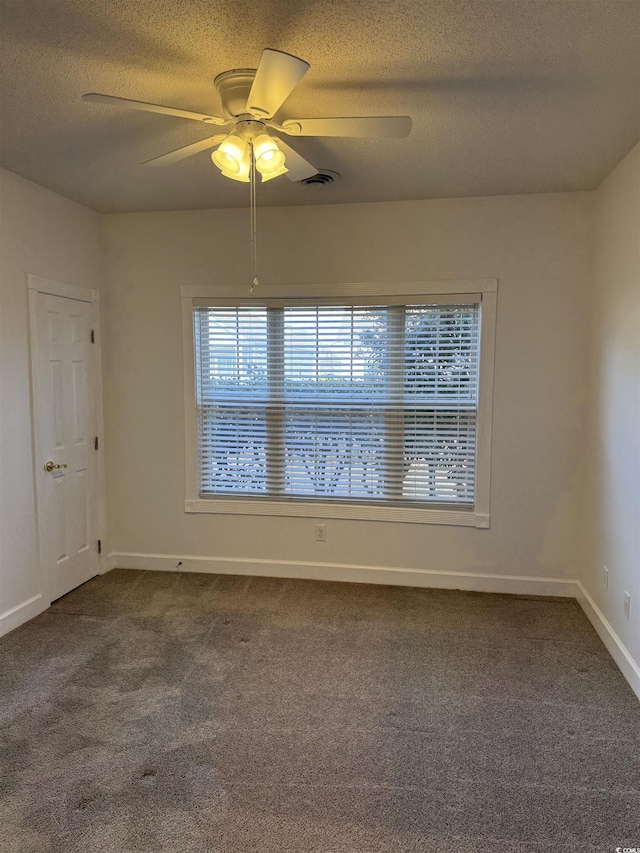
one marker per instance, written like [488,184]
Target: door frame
[37,284]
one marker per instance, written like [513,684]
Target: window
[360,408]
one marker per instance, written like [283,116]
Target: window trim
[479,516]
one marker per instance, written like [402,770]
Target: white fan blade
[186,151]
[396,127]
[96,98]
[277,76]
[298,167]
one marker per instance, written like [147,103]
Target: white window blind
[365,403]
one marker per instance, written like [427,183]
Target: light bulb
[268,156]
[237,170]
[225,163]
[229,156]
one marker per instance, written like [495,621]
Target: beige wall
[536,245]
[612,510]
[44,234]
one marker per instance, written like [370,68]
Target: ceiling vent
[323,178]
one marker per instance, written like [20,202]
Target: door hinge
[95,443]
[93,336]
[99,546]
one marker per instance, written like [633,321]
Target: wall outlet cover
[321,532]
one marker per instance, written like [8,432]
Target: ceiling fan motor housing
[249,128]
[233,88]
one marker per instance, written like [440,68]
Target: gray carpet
[216,714]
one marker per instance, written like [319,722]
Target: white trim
[388,575]
[341,299]
[99,416]
[485,405]
[190,404]
[377,288]
[21,613]
[37,450]
[479,517]
[616,648]
[37,284]
[363,512]
[59,288]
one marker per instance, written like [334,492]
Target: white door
[66,458]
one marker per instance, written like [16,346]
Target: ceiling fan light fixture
[230,154]
[269,158]
[236,177]
[230,168]
[242,170]
[226,164]
[250,100]
[267,176]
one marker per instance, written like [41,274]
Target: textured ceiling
[507,96]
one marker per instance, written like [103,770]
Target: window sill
[362,512]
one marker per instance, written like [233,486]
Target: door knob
[50,466]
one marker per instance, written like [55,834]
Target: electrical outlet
[605,578]
[321,532]
[627,604]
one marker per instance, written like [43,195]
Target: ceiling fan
[250,99]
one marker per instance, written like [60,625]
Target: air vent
[323,179]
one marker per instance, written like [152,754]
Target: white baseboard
[21,613]
[616,648]
[393,576]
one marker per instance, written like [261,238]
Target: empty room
[320,426]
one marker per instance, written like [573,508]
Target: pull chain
[254,222]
